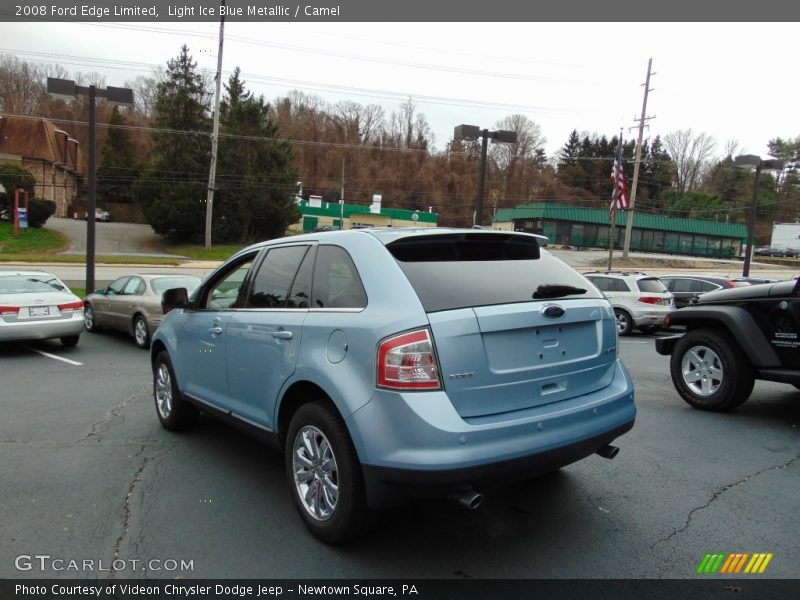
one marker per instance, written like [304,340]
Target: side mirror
[101,291]
[174,298]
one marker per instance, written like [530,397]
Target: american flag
[619,191]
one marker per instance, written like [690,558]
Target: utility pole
[212,172]
[629,216]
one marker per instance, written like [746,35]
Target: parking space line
[48,355]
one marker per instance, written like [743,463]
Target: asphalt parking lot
[87,473]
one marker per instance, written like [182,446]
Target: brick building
[51,155]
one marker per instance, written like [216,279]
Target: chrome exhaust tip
[608,451]
[469,499]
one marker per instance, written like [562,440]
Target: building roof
[332,209]
[599,216]
[39,139]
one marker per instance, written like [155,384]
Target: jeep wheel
[624,321]
[324,474]
[710,371]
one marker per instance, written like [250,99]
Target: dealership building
[590,228]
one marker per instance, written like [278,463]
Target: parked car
[389,363]
[685,287]
[762,251]
[733,337]
[133,304]
[639,300]
[100,215]
[754,280]
[36,305]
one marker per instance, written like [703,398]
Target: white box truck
[785,235]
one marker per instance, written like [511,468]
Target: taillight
[407,362]
[650,300]
[9,310]
[71,306]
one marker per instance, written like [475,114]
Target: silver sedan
[133,304]
[36,305]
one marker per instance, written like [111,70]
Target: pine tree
[118,168]
[255,174]
[173,188]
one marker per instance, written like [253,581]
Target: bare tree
[732,149]
[691,154]
[21,86]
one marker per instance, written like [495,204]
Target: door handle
[215,330]
[281,334]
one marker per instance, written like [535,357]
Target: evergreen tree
[173,188]
[255,175]
[118,169]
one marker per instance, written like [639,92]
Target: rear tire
[174,412]
[70,340]
[324,474]
[624,321]
[710,371]
[89,319]
[141,332]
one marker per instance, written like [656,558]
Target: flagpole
[611,239]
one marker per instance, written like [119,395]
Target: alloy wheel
[316,474]
[164,391]
[701,369]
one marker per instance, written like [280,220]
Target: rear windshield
[654,286]
[465,270]
[26,284]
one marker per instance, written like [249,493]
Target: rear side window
[653,286]
[477,269]
[336,281]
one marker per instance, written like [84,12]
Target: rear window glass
[654,286]
[162,284]
[449,272]
[26,284]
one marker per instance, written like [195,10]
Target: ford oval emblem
[553,311]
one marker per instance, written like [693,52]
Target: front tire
[624,321]
[710,371]
[174,412]
[141,332]
[324,474]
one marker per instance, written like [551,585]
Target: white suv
[639,300]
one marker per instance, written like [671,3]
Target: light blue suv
[389,363]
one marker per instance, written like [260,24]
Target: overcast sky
[733,81]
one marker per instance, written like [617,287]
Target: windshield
[27,284]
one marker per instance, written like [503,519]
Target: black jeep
[734,337]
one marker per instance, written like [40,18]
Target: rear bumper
[418,445]
[651,317]
[41,330]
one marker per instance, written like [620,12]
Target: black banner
[497,11]
[426,589]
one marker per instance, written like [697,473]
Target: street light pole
[482,178]
[752,160]
[91,201]
[471,133]
[751,224]
[66,88]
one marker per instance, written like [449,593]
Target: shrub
[39,211]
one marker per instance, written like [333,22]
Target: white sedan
[36,305]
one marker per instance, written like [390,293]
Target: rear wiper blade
[556,291]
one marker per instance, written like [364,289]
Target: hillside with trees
[156,154]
